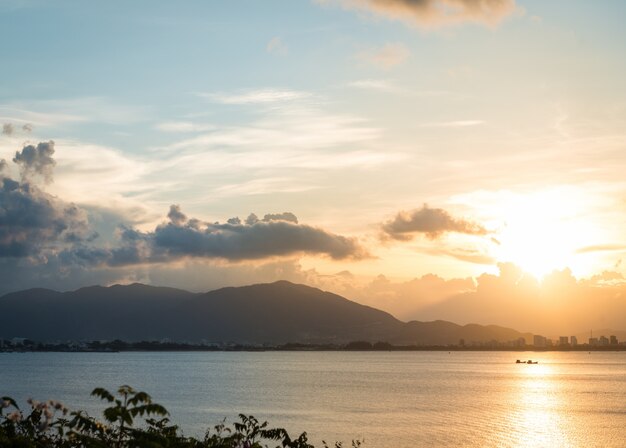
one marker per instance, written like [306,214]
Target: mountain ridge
[263,313]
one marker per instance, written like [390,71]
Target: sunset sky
[454,159]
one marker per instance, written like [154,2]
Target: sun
[542,231]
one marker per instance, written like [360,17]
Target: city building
[539,341]
[563,341]
[613,340]
[573,341]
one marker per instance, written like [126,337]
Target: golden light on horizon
[543,230]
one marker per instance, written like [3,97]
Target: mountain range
[273,313]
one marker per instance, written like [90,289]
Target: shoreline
[317,349]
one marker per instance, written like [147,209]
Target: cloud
[468,255]
[59,112]
[34,223]
[55,238]
[453,124]
[176,216]
[264,186]
[36,160]
[182,126]
[388,56]
[10,129]
[404,299]
[7,129]
[434,13]
[432,222]
[277,46]
[260,96]
[558,304]
[276,235]
[285,216]
[379,85]
[601,248]
[262,155]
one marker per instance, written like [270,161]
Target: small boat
[530,361]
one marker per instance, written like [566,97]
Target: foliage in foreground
[131,420]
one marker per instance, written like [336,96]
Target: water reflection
[539,410]
[392,400]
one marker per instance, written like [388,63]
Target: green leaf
[103,394]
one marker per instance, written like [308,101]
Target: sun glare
[541,232]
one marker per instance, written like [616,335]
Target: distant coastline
[356,346]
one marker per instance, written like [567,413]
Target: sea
[384,399]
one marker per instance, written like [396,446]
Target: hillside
[265,313]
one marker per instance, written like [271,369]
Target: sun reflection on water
[539,421]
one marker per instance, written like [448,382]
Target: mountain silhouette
[271,313]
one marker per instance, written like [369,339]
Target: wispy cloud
[264,186]
[49,113]
[387,57]
[602,248]
[277,46]
[260,96]
[293,128]
[453,124]
[23,116]
[182,127]
[389,86]
[467,255]
[380,85]
[285,149]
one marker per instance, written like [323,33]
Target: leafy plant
[51,425]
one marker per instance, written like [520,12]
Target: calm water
[388,399]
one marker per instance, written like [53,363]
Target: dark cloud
[8,129]
[176,216]
[432,222]
[434,13]
[286,216]
[182,238]
[261,239]
[36,160]
[252,219]
[32,222]
[275,235]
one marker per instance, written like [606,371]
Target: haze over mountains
[273,313]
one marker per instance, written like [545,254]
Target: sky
[453,159]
